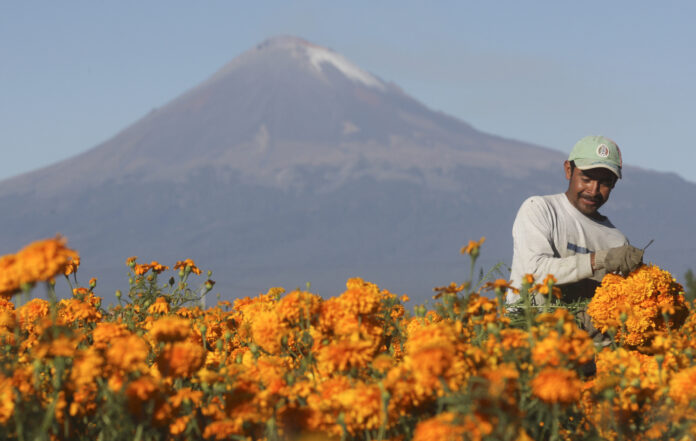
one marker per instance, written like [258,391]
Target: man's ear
[566,167]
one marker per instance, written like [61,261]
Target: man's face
[589,189]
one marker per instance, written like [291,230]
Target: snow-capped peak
[319,55]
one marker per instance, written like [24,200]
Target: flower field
[356,366]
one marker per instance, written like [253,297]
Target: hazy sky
[74,73]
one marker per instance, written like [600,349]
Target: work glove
[623,259]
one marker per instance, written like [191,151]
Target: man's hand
[623,259]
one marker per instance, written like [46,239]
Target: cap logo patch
[603,151]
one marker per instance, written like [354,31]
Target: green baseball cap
[597,151]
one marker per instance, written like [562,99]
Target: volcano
[292,165]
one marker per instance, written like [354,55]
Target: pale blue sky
[74,73]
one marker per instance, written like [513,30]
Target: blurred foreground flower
[38,261]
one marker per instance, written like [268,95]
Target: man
[565,235]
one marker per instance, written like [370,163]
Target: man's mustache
[597,198]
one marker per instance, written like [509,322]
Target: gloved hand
[623,259]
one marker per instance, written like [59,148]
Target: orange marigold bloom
[186,394]
[39,261]
[161,306]
[139,392]
[72,266]
[298,305]
[104,332]
[473,247]
[30,312]
[181,359]
[7,399]
[128,353]
[157,267]
[267,330]
[360,298]
[343,354]
[362,407]
[682,386]
[140,269]
[6,304]
[170,329]
[72,310]
[178,426]
[442,427]
[640,299]
[553,385]
[188,263]
[222,430]
[87,365]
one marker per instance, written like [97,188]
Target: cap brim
[589,164]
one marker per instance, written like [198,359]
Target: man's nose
[593,188]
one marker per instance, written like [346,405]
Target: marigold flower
[473,247]
[140,392]
[157,267]
[128,353]
[682,386]
[222,430]
[639,300]
[446,427]
[72,266]
[104,332]
[140,269]
[87,365]
[32,311]
[186,395]
[73,310]
[181,359]
[39,261]
[345,353]
[170,329]
[362,407]
[160,306]
[188,263]
[360,298]
[554,385]
[7,399]
[267,330]
[298,305]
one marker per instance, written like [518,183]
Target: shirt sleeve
[534,251]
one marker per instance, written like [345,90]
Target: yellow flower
[553,385]
[267,330]
[181,359]
[72,266]
[341,355]
[7,399]
[170,329]
[473,247]
[160,306]
[128,353]
[32,311]
[39,261]
[634,305]
[104,332]
[362,407]
[682,386]
[298,305]
[157,267]
[188,263]
[442,427]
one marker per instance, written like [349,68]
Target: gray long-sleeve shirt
[551,236]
